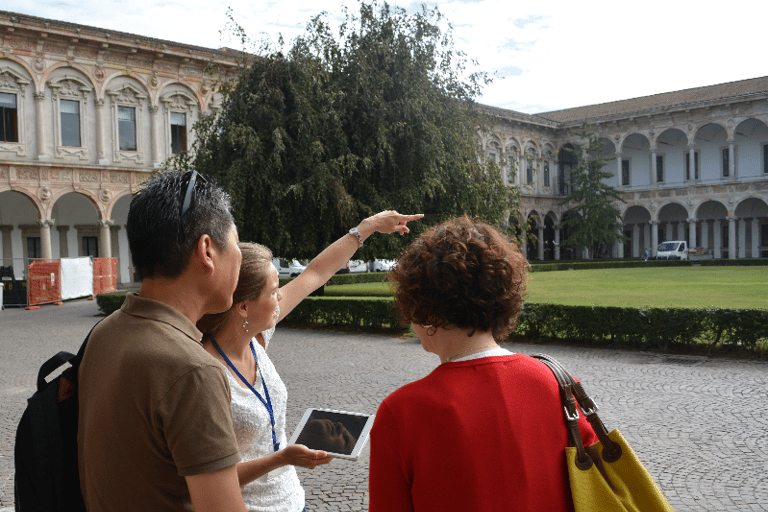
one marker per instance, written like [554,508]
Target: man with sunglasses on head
[155,423]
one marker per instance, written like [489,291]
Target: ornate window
[546,173]
[8,118]
[126,128]
[177,106]
[12,95]
[70,123]
[178,132]
[127,107]
[70,105]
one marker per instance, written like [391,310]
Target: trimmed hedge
[662,328]
[110,302]
[647,328]
[370,312]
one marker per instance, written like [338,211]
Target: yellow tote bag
[607,475]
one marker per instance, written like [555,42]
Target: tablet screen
[340,433]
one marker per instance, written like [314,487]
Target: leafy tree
[376,117]
[598,220]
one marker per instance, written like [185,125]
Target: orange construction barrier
[44,283]
[104,275]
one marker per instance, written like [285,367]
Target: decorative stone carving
[45,194]
[63,175]
[89,177]
[27,174]
[105,195]
[39,64]
[120,177]
[98,73]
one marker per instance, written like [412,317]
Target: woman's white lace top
[253,429]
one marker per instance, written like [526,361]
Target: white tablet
[341,434]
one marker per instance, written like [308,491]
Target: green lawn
[689,287]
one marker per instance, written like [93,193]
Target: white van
[674,250]
[286,268]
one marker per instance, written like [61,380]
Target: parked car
[380,265]
[286,268]
[358,266]
[673,250]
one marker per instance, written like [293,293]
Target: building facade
[691,165]
[87,114]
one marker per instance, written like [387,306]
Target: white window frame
[12,82]
[127,96]
[73,89]
[180,102]
[186,130]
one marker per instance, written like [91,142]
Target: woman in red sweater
[485,430]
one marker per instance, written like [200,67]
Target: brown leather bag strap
[571,412]
[611,451]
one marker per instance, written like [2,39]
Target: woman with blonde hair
[238,339]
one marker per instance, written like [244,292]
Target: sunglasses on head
[188,202]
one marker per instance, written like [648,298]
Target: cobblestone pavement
[699,424]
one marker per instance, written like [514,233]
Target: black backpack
[45,453]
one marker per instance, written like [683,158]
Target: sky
[544,54]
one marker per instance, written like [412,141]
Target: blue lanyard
[267,403]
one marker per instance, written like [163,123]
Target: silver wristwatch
[354,232]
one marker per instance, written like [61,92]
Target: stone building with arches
[690,165]
[86,115]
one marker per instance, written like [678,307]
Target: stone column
[691,233]
[45,238]
[732,236]
[647,240]
[692,162]
[654,183]
[635,240]
[731,160]
[741,240]
[654,237]
[541,243]
[156,159]
[40,128]
[669,233]
[619,175]
[100,135]
[105,243]
[705,234]
[619,244]
[557,244]
[717,233]
[755,253]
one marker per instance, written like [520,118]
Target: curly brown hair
[461,273]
